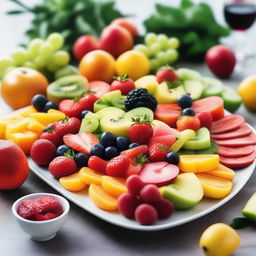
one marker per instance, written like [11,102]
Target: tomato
[20,85]
[133,63]
[97,65]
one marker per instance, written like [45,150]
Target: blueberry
[50,105]
[39,101]
[108,139]
[173,158]
[84,113]
[97,150]
[81,159]
[61,150]
[185,101]
[110,152]
[122,143]
[133,145]
[188,112]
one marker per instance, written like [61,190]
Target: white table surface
[84,234]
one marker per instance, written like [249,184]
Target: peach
[72,182]
[89,176]
[113,185]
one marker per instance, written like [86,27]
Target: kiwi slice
[213,87]
[188,74]
[211,150]
[66,88]
[90,123]
[194,88]
[140,113]
[232,99]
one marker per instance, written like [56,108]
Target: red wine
[240,16]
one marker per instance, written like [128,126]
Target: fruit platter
[125,134]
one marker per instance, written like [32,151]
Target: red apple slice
[235,152]
[238,142]
[227,123]
[242,131]
[239,162]
[159,173]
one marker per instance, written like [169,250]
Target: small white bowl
[41,230]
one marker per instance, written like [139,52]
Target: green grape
[162,40]
[56,40]
[154,64]
[150,39]
[154,49]
[51,66]
[142,48]
[5,63]
[39,63]
[173,43]
[172,55]
[19,56]
[162,58]
[60,58]
[34,47]
[29,64]
[46,50]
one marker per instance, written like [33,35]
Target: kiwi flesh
[140,114]
[67,87]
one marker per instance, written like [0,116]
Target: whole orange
[98,65]
[13,165]
[20,85]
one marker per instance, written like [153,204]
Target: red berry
[146,214]
[87,102]
[127,203]
[134,184]
[166,74]
[50,134]
[118,166]
[157,152]
[140,132]
[62,166]
[150,194]
[97,164]
[205,119]
[67,125]
[188,122]
[123,83]
[135,152]
[164,207]
[42,151]
[133,169]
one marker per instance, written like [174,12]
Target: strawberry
[62,166]
[118,166]
[188,122]
[97,164]
[81,142]
[157,152]
[166,74]
[48,204]
[140,132]
[134,168]
[67,125]
[135,152]
[167,140]
[49,133]
[74,108]
[122,83]
[205,119]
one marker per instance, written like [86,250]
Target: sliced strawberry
[97,164]
[157,152]
[81,142]
[134,152]
[118,166]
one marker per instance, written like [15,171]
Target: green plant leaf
[239,223]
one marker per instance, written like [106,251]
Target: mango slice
[72,182]
[48,118]
[113,185]
[214,187]
[35,126]
[199,163]
[89,176]
[27,111]
[223,172]
[101,198]
[16,127]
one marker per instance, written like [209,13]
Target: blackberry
[140,97]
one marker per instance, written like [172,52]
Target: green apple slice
[232,99]
[194,88]
[90,123]
[249,210]
[183,137]
[202,140]
[213,87]
[185,192]
[188,74]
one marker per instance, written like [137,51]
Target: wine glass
[240,16]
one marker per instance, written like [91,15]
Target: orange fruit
[98,65]
[20,85]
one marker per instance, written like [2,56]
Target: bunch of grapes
[44,56]
[160,49]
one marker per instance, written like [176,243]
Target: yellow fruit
[223,172]
[113,185]
[165,95]
[219,240]
[48,118]
[27,111]
[18,126]
[214,187]
[149,82]
[133,63]
[89,176]
[35,126]
[72,182]
[102,199]
[199,163]
[247,91]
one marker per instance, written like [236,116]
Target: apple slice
[185,192]
[159,173]
[249,210]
